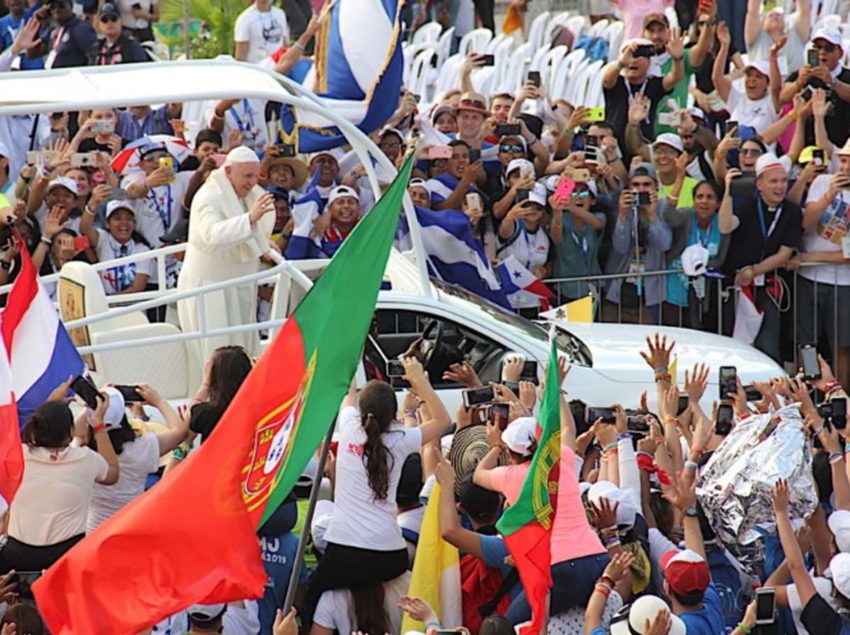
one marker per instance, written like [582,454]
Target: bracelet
[46,240]
[432,623]
[604,590]
[5,265]
[646,454]
[410,412]
[663,377]
[847,447]
[835,457]
[691,465]
[88,211]
[746,630]
[832,386]
[677,59]
[606,579]
[98,428]
[299,46]
[661,369]
[818,431]
[613,542]
[671,420]
[610,446]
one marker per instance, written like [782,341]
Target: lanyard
[524,233]
[164,214]
[767,231]
[581,243]
[249,116]
[641,91]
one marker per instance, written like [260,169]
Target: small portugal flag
[192,538]
[527,525]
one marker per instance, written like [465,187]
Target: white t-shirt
[137,459]
[249,117]
[265,32]
[335,610]
[759,114]
[120,278]
[828,233]
[358,519]
[531,249]
[411,521]
[160,210]
[52,503]
[127,18]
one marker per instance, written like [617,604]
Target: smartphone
[529,371]
[522,194]
[728,382]
[765,606]
[644,50]
[103,126]
[486,60]
[606,414]
[591,154]
[395,368]
[807,94]
[809,361]
[725,416]
[534,78]
[129,393]
[580,175]
[565,189]
[818,156]
[474,202]
[40,157]
[753,394]
[671,119]
[84,160]
[743,186]
[478,396]
[86,390]
[839,412]
[637,425]
[812,57]
[513,386]
[593,115]
[508,130]
[474,155]
[499,414]
[730,128]
[439,152]
[641,198]
[591,141]
[682,405]
[25,581]
[81,243]
[285,150]
[166,163]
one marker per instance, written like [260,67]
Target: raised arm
[718,72]
[793,555]
[103,442]
[415,375]
[676,49]
[752,22]
[450,528]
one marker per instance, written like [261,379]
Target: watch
[691,511]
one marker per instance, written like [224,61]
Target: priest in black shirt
[766,231]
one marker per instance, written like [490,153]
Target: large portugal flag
[192,538]
[527,525]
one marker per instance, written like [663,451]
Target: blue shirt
[9,29]
[709,619]
[495,551]
[278,558]
[727,582]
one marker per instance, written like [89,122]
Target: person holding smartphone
[449,188]
[46,519]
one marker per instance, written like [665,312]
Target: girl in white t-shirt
[118,241]
[138,455]
[364,541]
[48,514]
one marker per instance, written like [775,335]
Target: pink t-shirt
[572,535]
[634,11]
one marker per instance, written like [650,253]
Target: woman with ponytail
[364,541]
[48,514]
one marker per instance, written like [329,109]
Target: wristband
[671,420]
[691,465]
[88,211]
[835,457]
[299,46]
[606,579]
[410,412]
[847,447]
[432,623]
[662,377]
[98,428]
[661,369]
[832,386]
[601,588]
[746,630]
[624,436]
[610,446]
[677,59]
[818,431]
[47,241]
[613,542]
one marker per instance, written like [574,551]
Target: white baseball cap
[538,194]
[206,612]
[524,166]
[769,161]
[114,206]
[626,509]
[632,619]
[114,411]
[839,525]
[341,191]
[760,66]
[669,139]
[695,260]
[66,182]
[521,435]
[833,36]
[839,569]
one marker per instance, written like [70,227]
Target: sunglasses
[582,194]
[826,47]
[109,18]
[473,103]
[750,152]
[511,147]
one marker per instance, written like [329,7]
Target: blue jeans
[733,13]
[572,584]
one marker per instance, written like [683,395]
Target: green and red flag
[526,525]
[192,538]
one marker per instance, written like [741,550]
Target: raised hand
[658,356]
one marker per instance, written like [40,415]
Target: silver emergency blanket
[734,486]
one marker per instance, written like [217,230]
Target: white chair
[553,60]
[537,29]
[538,60]
[614,34]
[565,72]
[448,76]
[577,86]
[474,42]
[420,73]
[515,68]
[428,33]
[576,24]
[444,46]
[502,53]
[554,25]
[594,97]
[596,30]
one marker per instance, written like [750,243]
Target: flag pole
[305,529]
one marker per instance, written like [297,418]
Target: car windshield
[572,346]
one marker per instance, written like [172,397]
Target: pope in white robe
[230,227]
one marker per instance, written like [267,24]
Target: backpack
[484,591]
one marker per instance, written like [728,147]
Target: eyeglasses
[391,145]
[826,47]
[511,147]
[109,18]
[750,152]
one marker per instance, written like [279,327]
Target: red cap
[686,571]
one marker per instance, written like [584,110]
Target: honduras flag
[454,254]
[306,210]
[41,353]
[358,72]
[518,282]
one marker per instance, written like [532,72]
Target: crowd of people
[721,157]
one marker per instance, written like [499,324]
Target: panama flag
[517,282]
[41,352]
[193,538]
[358,72]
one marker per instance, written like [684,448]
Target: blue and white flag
[519,284]
[305,211]
[358,72]
[455,255]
